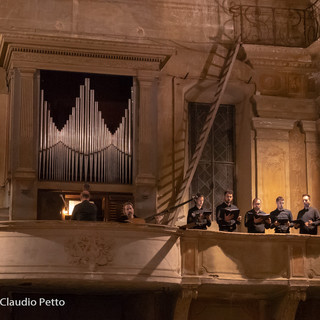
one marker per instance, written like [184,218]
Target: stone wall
[272,88]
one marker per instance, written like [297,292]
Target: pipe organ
[85,149]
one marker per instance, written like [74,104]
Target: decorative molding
[269,123]
[261,55]
[145,52]
[309,126]
[285,107]
[185,6]
[282,63]
[89,250]
[310,129]
[145,179]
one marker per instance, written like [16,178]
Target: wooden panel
[114,205]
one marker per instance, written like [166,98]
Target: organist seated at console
[86,210]
[128,214]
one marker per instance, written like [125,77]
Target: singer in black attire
[253,222]
[224,224]
[310,216]
[195,214]
[281,218]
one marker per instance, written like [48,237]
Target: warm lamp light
[65,211]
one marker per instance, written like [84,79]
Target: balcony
[108,255]
[288,27]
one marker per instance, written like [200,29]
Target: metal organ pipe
[85,149]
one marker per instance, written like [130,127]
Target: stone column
[146,144]
[272,160]
[313,160]
[181,311]
[23,143]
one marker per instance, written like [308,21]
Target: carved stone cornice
[309,126]
[311,130]
[264,62]
[285,108]
[274,124]
[14,45]
[267,56]
[272,129]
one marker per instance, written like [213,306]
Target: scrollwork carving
[89,250]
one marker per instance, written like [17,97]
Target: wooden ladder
[223,77]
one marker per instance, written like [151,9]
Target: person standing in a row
[308,218]
[281,218]
[197,219]
[227,222]
[256,220]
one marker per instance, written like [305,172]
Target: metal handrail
[277,26]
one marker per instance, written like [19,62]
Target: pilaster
[312,149]
[272,160]
[4,128]
[23,143]
[146,142]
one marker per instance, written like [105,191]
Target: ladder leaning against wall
[223,77]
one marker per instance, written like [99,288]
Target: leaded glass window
[216,169]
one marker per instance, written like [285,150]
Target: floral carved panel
[89,250]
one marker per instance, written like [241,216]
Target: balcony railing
[277,26]
[148,255]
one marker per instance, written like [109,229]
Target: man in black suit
[255,219]
[85,211]
[227,222]
[308,216]
[281,218]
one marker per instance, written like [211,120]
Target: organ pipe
[85,149]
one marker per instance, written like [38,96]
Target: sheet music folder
[299,222]
[228,211]
[207,213]
[263,215]
[282,220]
[204,212]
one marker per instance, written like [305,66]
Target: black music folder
[282,220]
[207,213]
[263,215]
[300,222]
[228,211]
